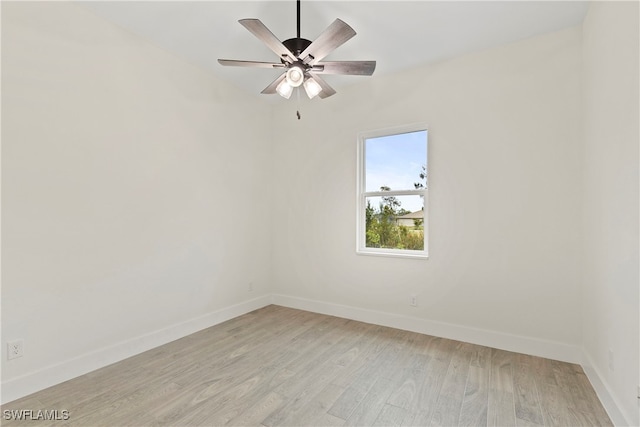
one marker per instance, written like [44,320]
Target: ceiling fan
[301,59]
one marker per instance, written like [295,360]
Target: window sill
[397,253]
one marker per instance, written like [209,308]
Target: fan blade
[327,90]
[335,35]
[259,30]
[272,87]
[355,68]
[256,64]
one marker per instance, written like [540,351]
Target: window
[392,192]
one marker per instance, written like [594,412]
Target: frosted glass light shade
[295,76]
[284,89]
[312,87]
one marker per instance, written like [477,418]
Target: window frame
[362,194]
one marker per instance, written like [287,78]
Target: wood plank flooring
[283,367]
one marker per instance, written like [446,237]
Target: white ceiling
[397,34]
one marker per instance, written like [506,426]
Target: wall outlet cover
[15,349]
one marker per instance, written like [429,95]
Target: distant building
[408,219]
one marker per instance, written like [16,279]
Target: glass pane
[396,162]
[395,222]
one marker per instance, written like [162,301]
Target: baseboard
[38,380]
[515,343]
[608,400]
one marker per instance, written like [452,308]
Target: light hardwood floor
[283,367]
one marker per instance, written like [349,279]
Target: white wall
[611,299]
[134,194]
[505,196]
[120,164]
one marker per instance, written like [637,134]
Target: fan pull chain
[298,103]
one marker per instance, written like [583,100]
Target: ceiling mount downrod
[298,19]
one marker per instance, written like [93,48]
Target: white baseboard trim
[515,343]
[608,399]
[24,385]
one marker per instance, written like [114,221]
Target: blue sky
[396,161]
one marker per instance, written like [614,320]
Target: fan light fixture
[293,78]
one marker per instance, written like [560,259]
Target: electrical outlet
[413,300]
[15,349]
[611,365]
[250,286]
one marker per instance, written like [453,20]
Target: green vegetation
[383,230]
[382,227]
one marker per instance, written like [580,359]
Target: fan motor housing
[297,45]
